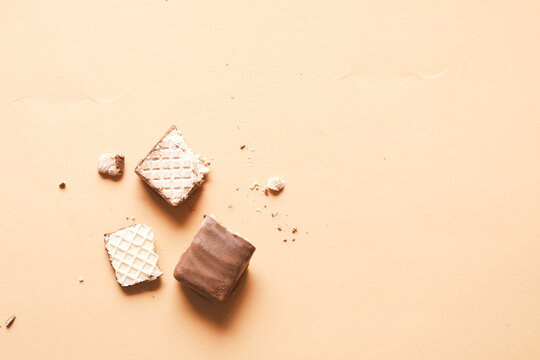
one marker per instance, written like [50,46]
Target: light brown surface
[407,131]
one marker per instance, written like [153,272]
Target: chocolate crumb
[10,321]
[242,147]
[279,229]
[62,185]
[81,279]
[284,240]
[293,239]
[294,230]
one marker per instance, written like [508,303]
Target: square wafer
[172,169]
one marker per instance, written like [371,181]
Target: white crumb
[111,164]
[252,149]
[276,184]
[258,210]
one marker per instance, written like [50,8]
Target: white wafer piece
[111,164]
[132,255]
[172,169]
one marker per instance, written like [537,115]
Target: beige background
[407,131]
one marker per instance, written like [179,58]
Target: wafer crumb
[111,164]
[255,186]
[10,321]
[275,184]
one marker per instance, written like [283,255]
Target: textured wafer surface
[172,169]
[132,255]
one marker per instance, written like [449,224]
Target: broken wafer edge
[172,169]
[132,256]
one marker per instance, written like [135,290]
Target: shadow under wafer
[222,315]
[180,214]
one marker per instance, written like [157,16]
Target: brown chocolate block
[214,262]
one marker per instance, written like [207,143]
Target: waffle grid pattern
[131,251]
[172,168]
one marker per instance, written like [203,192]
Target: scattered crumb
[230,206]
[232,97]
[284,240]
[255,186]
[81,279]
[242,147]
[258,210]
[133,218]
[252,149]
[293,239]
[127,217]
[266,191]
[10,321]
[279,228]
[62,185]
[294,230]
[237,189]
[275,184]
